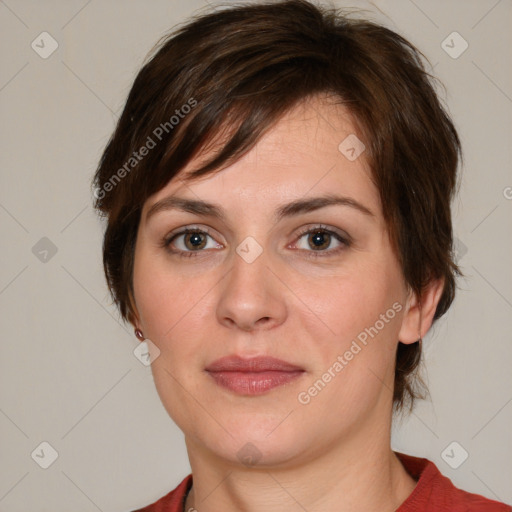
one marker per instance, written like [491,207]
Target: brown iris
[319,237]
[193,240]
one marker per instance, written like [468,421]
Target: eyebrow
[204,208]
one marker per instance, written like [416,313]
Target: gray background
[68,373]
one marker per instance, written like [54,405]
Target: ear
[133,312]
[419,312]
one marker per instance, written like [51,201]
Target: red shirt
[433,493]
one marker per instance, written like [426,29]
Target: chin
[261,451]
[253,440]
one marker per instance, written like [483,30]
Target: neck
[360,475]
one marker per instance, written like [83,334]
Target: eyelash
[345,241]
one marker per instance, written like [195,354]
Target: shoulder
[171,502]
[436,492]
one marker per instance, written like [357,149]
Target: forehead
[314,148]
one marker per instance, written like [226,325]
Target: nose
[252,297]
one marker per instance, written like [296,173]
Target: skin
[333,453]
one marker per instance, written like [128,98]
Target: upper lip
[253,364]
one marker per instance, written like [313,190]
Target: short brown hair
[243,68]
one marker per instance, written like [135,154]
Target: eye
[316,241]
[319,241]
[190,241]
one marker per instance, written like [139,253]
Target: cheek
[346,305]
[165,299]
[357,320]
[354,359]
[171,309]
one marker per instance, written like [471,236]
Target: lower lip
[254,383]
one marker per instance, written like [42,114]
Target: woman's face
[274,270]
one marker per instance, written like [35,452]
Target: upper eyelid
[191,227]
[323,227]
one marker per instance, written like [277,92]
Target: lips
[254,364]
[252,376]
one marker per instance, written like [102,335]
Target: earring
[139,335]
